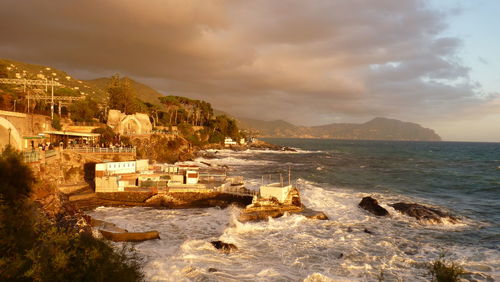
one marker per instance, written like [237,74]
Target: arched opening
[131,126]
[9,135]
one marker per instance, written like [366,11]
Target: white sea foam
[294,248]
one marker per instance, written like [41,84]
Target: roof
[72,133]
[34,137]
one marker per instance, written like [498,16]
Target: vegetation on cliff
[36,247]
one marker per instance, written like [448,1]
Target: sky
[307,62]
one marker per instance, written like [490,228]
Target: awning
[72,133]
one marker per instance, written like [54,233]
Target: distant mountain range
[375,129]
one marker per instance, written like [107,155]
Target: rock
[368,231]
[260,215]
[288,149]
[107,226]
[312,214]
[423,213]
[320,216]
[225,247]
[371,205]
[211,269]
[130,236]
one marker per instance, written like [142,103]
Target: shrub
[33,248]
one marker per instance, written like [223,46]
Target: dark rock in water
[371,205]
[423,213]
[368,231]
[288,149]
[211,269]
[225,247]
[349,229]
[341,255]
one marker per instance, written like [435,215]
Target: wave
[296,248]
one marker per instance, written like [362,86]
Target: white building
[276,190]
[113,168]
[228,141]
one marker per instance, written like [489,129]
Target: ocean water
[333,176]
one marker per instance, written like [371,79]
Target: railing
[50,153]
[86,123]
[166,132]
[227,188]
[31,156]
[101,150]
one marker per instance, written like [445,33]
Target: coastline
[348,223]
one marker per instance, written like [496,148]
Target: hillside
[376,129]
[95,88]
[144,92]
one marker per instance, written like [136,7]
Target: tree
[34,248]
[107,134]
[171,105]
[84,110]
[121,95]
[56,122]
[223,126]
[195,112]
[16,177]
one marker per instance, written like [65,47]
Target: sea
[333,176]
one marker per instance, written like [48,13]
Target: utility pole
[52,100]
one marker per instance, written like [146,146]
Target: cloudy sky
[307,62]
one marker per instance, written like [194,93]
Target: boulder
[371,205]
[423,213]
[225,247]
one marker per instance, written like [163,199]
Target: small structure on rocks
[274,200]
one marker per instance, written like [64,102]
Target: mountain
[375,129]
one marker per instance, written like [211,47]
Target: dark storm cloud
[305,61]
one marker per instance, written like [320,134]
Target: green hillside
[95,88]
[144,92]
